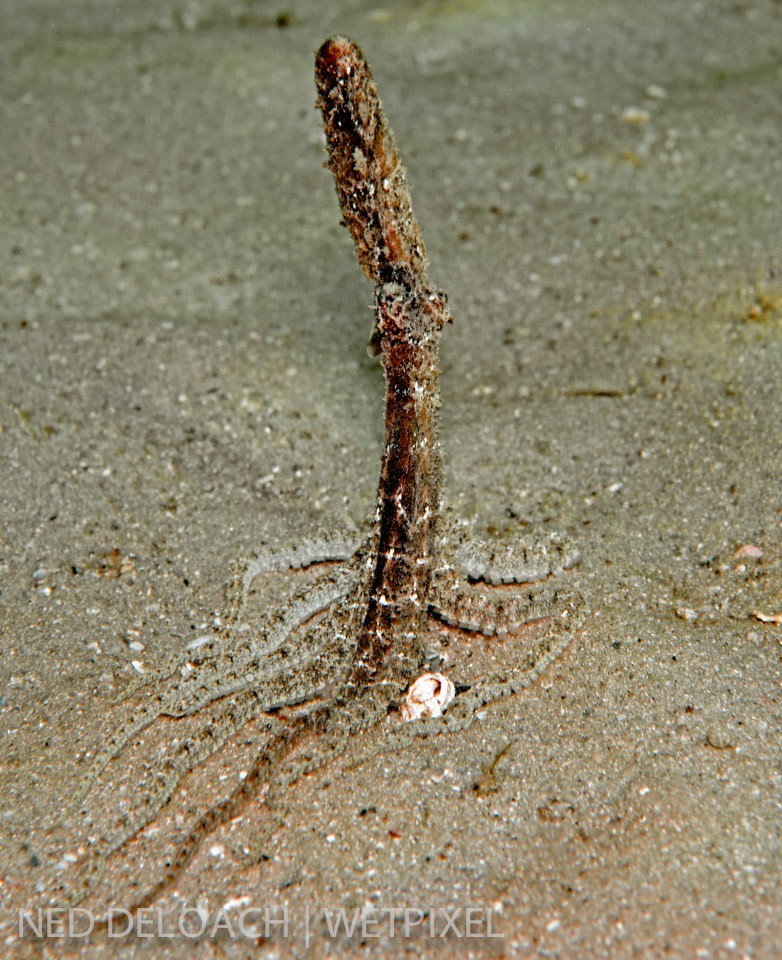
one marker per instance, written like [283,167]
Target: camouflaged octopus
[366,619]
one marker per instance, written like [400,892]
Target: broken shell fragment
[429,696]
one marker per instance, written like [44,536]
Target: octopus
[324,642]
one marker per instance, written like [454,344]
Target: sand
[184,379]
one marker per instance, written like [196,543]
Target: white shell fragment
[429,696]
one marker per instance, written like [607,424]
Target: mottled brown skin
[409,316]
[369,176]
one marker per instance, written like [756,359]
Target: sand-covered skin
[183,378]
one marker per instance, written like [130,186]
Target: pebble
[686,613]
[635,115]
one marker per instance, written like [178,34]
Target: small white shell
[429,696]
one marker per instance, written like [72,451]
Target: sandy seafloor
[184,378]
